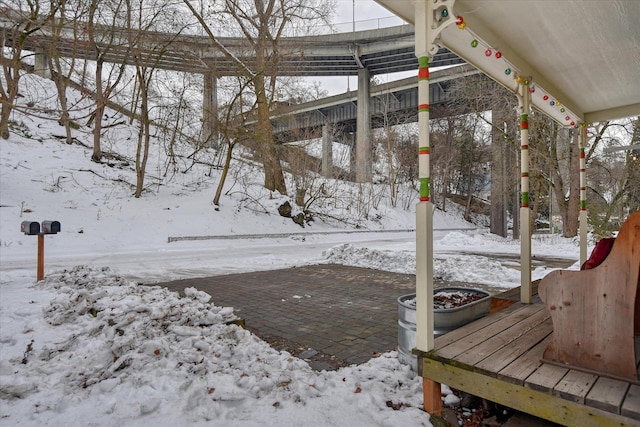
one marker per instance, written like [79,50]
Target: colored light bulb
[545,97]
[552,103]
[532,89]
[567,118]
[507,71]
[462,26]
[444,13]
[498,54]
[460,20]
[487,52]
[562,109]
[474,43]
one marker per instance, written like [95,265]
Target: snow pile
[105,351]
[478,270]
[388,260]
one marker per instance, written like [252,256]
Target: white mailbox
[50,227]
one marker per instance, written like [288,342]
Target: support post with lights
[582,133]
[431,18]
[524,99]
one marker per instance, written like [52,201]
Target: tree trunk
[515,214]
[573,202]
[144,134]
[12,77]
[498,224]
[223,176]
[467,209]
[273,176]
[97,125]
[61,87]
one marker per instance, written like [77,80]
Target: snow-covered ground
[88,346]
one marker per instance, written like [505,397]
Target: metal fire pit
[445,319]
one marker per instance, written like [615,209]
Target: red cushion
[599,253]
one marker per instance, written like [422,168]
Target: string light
[509,71]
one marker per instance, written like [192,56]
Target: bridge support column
[363,131]
[41,67]
[327,151]
[210,110]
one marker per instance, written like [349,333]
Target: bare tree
[63,19]
[27,22]
[100,45]
[613,178]
[233,129]
[473,160]
[264,23]
[443,158]
[146,53]
[392,142]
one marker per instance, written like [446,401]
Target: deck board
[575,386]
[499,357]
[474,340]
[457,334]
[545,377]
[503,340]
[516,348]
[518,370]
[607,394]
[631,404]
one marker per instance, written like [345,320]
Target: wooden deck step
[499,356]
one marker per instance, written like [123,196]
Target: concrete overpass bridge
[336,118]
[381,51]
[393,102]
[362,53]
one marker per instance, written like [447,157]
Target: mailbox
[30,228]
[50,227]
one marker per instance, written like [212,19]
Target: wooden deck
[498,358]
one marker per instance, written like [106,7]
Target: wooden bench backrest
[593,311]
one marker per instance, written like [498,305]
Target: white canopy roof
[582,56]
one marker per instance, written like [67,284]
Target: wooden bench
[596,312]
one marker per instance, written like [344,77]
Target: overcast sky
[365,10]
